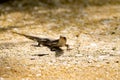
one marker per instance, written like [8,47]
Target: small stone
[103,57]
[2,78]
[114,48]
[116,61]
[78,55]
[38,75]
[93,45]
[25,79]
[7,68]
[108,62]
[32,59]
[112,32]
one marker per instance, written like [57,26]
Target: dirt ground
[92,31]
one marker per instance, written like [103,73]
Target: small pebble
[112,32]
[108,62]
[32,59]
[116,61]
[114,48]
[2,78]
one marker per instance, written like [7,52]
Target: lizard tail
[20,34]
[27,36]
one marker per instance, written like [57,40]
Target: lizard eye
[64,37]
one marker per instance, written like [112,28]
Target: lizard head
[62,41]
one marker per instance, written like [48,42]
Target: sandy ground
[93,33]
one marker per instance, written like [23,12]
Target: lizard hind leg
[53,49]
[39,44]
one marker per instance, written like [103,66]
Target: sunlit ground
[92,31]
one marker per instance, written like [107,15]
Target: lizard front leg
[68,47]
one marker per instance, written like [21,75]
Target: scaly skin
[48,42]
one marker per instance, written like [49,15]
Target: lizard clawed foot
[54,48]
[68,47]
[36,45]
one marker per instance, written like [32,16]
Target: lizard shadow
[58,51]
